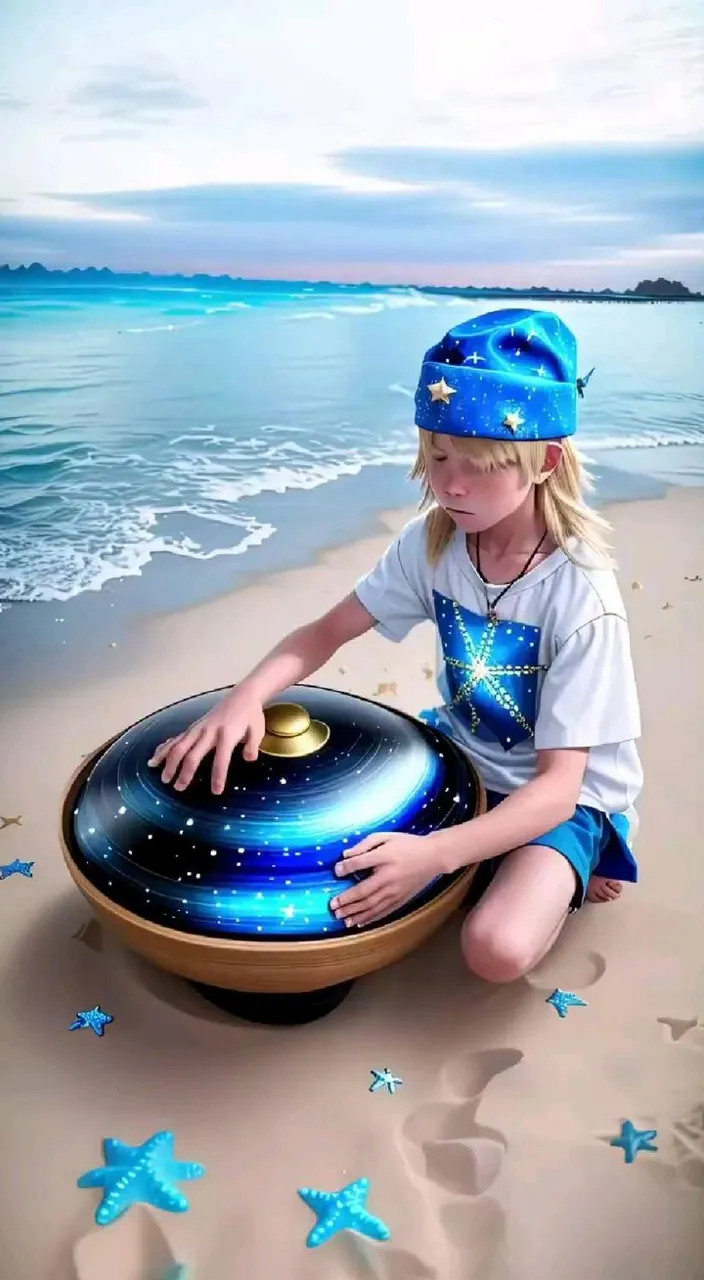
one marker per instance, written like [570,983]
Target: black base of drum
[276,1010]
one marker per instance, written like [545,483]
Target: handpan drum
[232,892]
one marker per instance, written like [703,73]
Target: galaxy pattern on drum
[257,861]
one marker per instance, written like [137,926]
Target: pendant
[492,615]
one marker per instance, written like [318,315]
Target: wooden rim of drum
[308,964]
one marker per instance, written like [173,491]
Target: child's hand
[402,866]
[237,717]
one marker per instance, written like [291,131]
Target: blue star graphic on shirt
[95,1018]
[562,1001]
[633,1140]
[492,672]
[140,1175]
[343,1210]
[16,868]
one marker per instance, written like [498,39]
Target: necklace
[491,604]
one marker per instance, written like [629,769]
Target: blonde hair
[560,494]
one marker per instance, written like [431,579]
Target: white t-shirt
[556,671]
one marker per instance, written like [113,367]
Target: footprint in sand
[678,1027]
[365,1262]
[478,1231]
[90,934]
[456,1152]
[571,972]
[138,1248]
[688,1142]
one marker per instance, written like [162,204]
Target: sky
[495,144]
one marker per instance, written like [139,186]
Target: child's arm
[238,716]
[301,653]
[543,803]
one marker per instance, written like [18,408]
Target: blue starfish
[564,1000]
[16,868]
[93,1018]
[343,1210]
[633,1140]
[145,1174]
[384,1080]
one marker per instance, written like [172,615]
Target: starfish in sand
[343,1210]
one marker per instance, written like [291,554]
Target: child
[535,667]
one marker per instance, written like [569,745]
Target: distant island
[659,290]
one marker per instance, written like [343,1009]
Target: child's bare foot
[600,889]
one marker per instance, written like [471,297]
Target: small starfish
[564,1000]
[633,1140]
[145,1174]
[16,868]
[384,1080]
[10,822]
[343,1210]
[93,1018]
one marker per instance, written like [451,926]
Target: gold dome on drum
[289,731]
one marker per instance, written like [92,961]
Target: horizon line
[38,268]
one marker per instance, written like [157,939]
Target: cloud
[10,103]
[453,211]
[103,135]
[617,180]
[134,93]
[516,203]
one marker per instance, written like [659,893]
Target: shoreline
[280,599]
[46,644]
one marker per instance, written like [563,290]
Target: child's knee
[494,953]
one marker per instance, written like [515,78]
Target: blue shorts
[592,842]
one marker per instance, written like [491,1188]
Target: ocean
[160,445]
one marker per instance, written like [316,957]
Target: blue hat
[504,375]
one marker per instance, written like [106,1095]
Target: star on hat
[441,391]
[513,421]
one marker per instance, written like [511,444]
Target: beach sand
[491,1161]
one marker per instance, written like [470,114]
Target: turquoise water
[178,439]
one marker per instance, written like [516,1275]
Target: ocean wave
[400,390]
[408,298]
[374,304]
[52,569]
[163,328]
[309,315]
[50,391]
[359,308]
[283,479]
[65,535]
[642,440]
[228,306]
